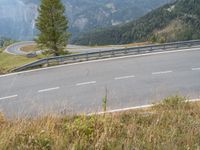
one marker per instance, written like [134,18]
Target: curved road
[15,48]
[79,88]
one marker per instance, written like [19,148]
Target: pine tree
[52,25]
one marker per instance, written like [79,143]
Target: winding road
[15,49]
[79,88]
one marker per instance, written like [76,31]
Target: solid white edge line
[49,89]
[86,83]
[100,60]
[8,97]
[195,69]
[124,77]
[162,72]
[134,108]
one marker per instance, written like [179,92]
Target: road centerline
[195,69]
[8,97]
[48,89]
[86,83]
[162,72]
[124,77]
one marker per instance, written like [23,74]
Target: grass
[137,44]
[9,62]
[30,48]
[173,124]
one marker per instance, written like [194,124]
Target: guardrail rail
[108,54]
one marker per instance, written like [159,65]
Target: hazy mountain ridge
[17,19]
[179,20]
[17,16]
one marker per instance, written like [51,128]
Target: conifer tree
[52,25]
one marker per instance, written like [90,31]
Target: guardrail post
[125,51]
[60,60]
[113,53]
[47,61]
[87,56]
[151,48]
[164,47]
[74,58]
[99,53]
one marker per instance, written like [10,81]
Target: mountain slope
[179,20]
[17,19]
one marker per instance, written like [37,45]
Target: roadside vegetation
[172,124]
[9,62]
[30,48]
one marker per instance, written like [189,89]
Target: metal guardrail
[108,54]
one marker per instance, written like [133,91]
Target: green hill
[179,20]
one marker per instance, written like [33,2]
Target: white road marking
[8,97]
[195,69]
[162,72]
[101,60]
[136,107]
[122,110]
[124,77]
[49,89]
[86,83]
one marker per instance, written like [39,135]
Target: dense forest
[179,20]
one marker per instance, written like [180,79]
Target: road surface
[15,48]
[80,88]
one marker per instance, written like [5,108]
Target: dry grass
[122,46]
[172,125]
[137,44]
[29,48]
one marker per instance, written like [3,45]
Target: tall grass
[173,124]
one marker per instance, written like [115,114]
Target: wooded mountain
[179,20]
[17,17]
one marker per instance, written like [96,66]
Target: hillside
[17,19]
[179,20]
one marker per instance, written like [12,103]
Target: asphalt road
[15,48]
[80,88]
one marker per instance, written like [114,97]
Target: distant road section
[80,88]
[15,48]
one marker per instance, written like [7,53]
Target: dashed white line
[49,89]
[86,83]
[8,97]
[162,72]
[124,77]
[195,69]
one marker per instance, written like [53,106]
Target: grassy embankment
[173,124]
[9,62]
